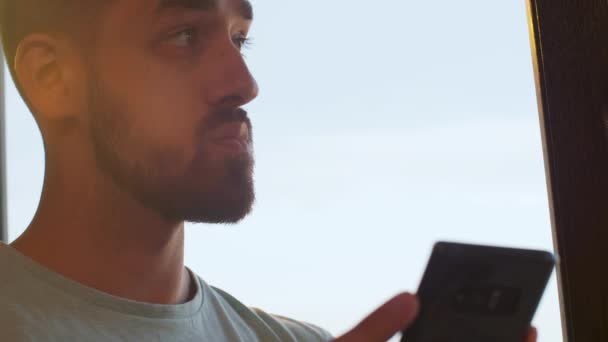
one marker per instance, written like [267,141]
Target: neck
[89,230]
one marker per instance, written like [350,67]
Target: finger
[532,335]
[392,317]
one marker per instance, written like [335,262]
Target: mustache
[224,116]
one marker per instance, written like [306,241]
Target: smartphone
[472,293]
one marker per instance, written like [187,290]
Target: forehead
[240,7]
[155,8]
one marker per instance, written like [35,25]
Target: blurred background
[381,127]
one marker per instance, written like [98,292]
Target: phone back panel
[475,293]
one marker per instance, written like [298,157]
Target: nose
[233,84]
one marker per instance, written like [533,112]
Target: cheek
[165,131]
[164,109]
[161,120]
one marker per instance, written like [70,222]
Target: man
[139,105]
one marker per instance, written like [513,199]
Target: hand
[391,318]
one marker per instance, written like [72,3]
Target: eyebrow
[244,6]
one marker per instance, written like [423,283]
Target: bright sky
[381,128]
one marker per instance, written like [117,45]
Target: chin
[226,200]
[226,210]
[209,191]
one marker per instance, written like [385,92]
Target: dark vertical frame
[570,50]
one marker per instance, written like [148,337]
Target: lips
[233,136]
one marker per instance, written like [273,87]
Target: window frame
[570,54]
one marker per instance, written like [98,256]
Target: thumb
[392,317]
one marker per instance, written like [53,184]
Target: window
[380,128]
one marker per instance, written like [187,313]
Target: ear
[47,70]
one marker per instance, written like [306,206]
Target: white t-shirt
[37,304]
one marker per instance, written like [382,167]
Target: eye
[184,38]
[241,41]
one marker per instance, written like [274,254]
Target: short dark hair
[19,18]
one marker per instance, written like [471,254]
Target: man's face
[167,79]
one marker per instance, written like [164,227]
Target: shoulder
[15,279]
[286,329]
[303,331]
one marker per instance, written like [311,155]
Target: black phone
[472,293]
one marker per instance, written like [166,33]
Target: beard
[206,189]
